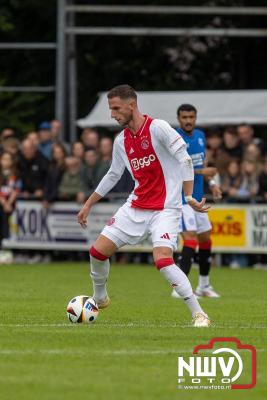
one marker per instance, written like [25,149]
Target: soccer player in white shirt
[156,157]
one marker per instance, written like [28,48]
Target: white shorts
[193,221]
[133,225]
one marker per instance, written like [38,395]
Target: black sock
[186,259]
[204,259]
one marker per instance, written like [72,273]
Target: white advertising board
[236,228]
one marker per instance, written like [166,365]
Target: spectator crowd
[42,166]
[241,160]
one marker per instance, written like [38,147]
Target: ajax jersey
[196,148]
[149,156]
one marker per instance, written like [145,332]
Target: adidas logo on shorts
[165,236]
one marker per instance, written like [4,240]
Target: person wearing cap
[45,140]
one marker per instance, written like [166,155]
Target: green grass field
[131,351]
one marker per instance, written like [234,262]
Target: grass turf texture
[131,351]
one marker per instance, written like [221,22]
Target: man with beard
[156,157]
[195,227]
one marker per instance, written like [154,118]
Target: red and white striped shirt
[154,157]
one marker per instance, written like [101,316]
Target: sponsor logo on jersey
[142,162]
[198,159]
[131,151]
[145,144]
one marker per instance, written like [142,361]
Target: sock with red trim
[180,283]
[204,256]
[187,255]
[99,274]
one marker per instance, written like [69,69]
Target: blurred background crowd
[241,160]
[41,166]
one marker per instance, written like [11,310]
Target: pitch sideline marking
[130,325]
[99,352]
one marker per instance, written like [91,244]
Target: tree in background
[22,21]
[168,63]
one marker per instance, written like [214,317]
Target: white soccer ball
[82,309]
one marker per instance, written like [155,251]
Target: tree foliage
[21,21]
[168,63]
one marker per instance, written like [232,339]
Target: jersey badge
[110,221]
[144,144]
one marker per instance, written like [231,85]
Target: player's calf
[100,266]
[180,284]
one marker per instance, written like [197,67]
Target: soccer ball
[82,309]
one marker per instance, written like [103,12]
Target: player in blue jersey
[195,227]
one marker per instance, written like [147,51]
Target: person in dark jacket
[45,140]
[32,167]
[231,143]
[55,174]
[89,174]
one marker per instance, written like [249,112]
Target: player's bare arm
[206,171]
[188,185]
[84,212]
[188,181]
[214,188]
[170,139]
[106,184]
[196,205]
[209,173]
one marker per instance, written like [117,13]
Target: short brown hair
[123,92]
[230,129]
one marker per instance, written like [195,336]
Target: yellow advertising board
[228,227]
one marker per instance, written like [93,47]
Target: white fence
[236,228]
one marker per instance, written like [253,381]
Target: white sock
[182,286]
[193,305]
[203,281]
[99,275]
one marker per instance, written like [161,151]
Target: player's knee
[162,252]
[189,235]
[96,254]
[204,236]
